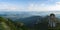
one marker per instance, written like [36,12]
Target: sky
[29,5]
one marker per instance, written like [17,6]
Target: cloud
[44,7]
[41,6]
[58,3]
[55,7]
[37,7]
[9,7]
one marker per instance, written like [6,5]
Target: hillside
[29,23]
[31,20]
[7,24]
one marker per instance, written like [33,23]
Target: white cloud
[55,7]
[44,7]
[58,3]
[9,7]
[37,7]
[30,7]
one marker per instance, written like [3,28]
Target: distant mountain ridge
[17,15]
[30,21]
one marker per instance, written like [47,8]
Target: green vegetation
[7,24]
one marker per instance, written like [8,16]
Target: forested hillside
[42,24]
[7,24]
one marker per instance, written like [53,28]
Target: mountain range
[23,20]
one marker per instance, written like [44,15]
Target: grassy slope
[4,24]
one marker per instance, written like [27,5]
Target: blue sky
[30,5]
